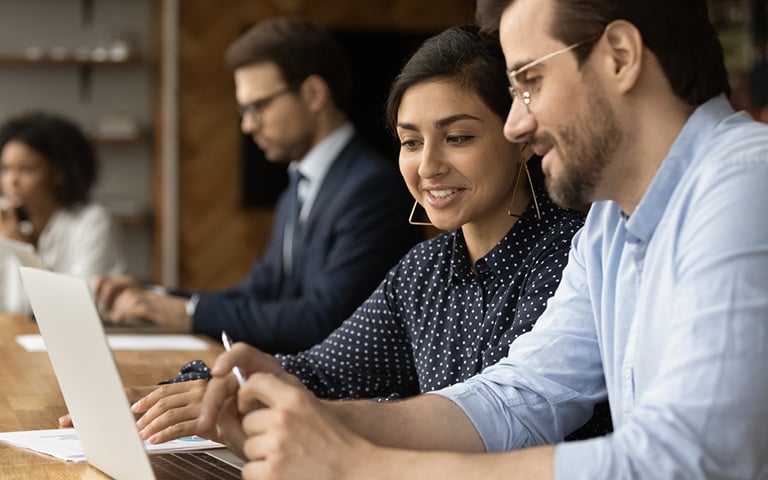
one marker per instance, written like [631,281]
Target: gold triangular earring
[415,222]
[525,156]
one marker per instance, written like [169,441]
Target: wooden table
[30,398]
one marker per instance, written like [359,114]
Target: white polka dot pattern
[433,321]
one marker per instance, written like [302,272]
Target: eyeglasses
[523,86]
[256,108]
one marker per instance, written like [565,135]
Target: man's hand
[164,310]
[218,410]
[250,360]
[293,436]
[106,289]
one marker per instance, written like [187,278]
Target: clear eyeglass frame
[256,108]
[516,88]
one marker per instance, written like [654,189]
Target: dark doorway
[376,57]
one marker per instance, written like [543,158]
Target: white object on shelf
[117,126]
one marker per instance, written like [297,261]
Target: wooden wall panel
[218,238]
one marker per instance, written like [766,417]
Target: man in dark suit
[337,230]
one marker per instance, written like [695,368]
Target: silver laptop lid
[24,252]
[87,374]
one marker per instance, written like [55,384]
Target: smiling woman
[457,164]
[454,303]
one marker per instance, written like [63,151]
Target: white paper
[63,443]
[34,343]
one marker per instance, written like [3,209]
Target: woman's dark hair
[463,55]
[65,148]
[300,48]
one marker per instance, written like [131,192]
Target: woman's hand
[9,223]
[132,393]
[170,411]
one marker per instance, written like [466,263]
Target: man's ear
[315,92]
[624,60]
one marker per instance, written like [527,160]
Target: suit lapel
[333,182]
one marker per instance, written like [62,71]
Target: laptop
[93,390]
[27,256]
[24,252]
[12,254]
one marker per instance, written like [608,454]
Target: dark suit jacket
[357,229]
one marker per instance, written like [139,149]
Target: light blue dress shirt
[315,165]
[665,312]
[313,168]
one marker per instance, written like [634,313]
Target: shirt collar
[649,211]
[318,161]
[460,265]
[483,268]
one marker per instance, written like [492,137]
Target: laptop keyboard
[191,466]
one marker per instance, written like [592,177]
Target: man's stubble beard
[585,147]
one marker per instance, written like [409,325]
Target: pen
[228,346]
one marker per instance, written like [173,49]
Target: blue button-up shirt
[666,313]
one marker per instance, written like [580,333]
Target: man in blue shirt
[662,308]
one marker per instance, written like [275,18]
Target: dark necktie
[291,238]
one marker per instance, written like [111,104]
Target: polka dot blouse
[434,320]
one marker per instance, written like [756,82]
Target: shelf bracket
[86,74]
[86,13]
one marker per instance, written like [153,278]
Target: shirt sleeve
[551,380]
[701,411]
[94,246]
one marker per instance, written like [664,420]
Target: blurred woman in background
[47,170]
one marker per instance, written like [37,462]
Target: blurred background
[147,81]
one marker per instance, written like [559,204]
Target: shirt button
[627,373]
[470,352]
